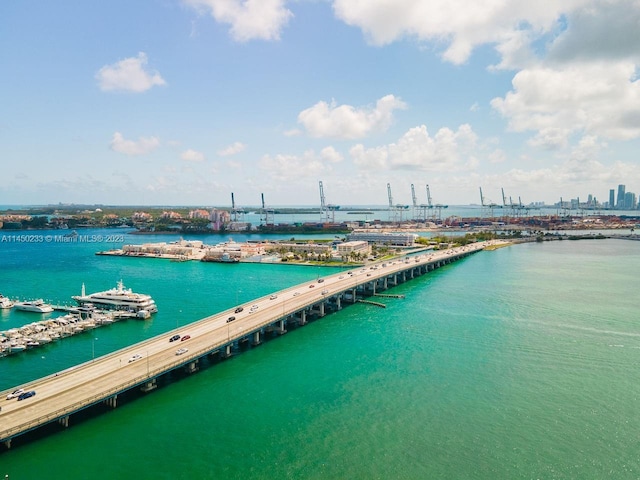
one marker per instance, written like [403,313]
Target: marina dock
[36,334]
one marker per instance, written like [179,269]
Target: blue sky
[181,102]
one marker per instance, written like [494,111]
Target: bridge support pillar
[7,443]
[191,367]
[321,309]
[256,339]
[338,304]
[385,285]
[148,386]
[64,421]
[281,329]
[227,351]
[303,317]
[112,401]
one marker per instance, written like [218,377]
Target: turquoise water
[517,363]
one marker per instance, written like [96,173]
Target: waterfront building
[384,238]
[233,251]
[612,198]
[199,214]
[141,217]
[171,215]
[181,248]
[346,248]
[218,218]
[239,226]
[318,248]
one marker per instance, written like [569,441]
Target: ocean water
[516,363]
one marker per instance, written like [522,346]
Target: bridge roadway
[102,379]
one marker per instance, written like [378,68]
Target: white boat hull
[37,306]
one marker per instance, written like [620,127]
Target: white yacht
[17,346]
[37,306]
[119,298]
[5,302]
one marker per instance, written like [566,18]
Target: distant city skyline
[183,102]
[625,200]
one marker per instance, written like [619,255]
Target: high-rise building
[612,198]
[620,202]
[629,201]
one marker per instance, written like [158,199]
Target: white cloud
[551,138]
[459,24]
[288,167]
[607,30]
[310,164]
[232,149]
[515,50]
[331,155]
[192,156]
[294,132]
[588,148]
[497,156]
[598,98]
[417,150]
[577,61]
[585,83]
[347,122]
[249,19]
[128,75]
[143,146]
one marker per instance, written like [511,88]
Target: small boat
[17,347]
[37,306]
[5,302]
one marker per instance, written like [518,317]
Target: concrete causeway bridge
[101,381]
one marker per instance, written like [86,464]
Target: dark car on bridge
[239,309]
[174,338]
[230,319]
[25,395]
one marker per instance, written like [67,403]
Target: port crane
[515,208]
[237,214]
[327,210]
[419,211]
[565,210]
[437,206]
[489,206]
[396,210]
[266,214]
